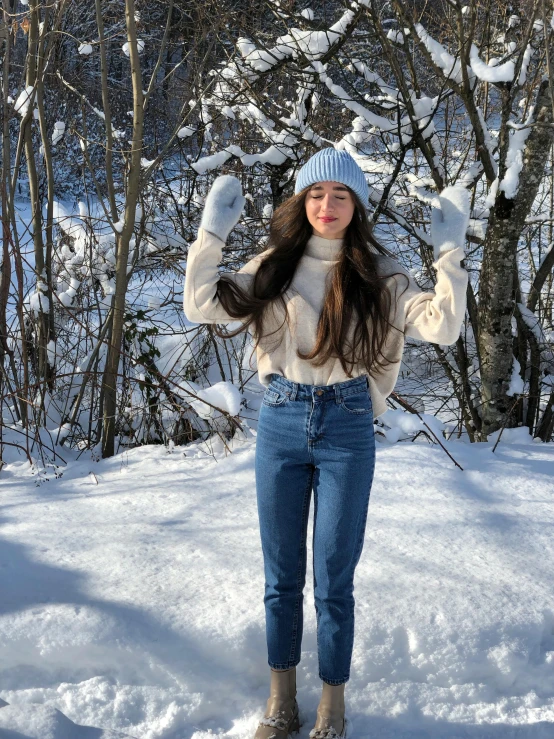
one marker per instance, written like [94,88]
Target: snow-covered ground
[131,597]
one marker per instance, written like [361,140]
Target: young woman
[329,309]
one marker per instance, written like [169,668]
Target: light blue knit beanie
[334,166]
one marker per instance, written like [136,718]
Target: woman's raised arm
[221,213]
[200,302]
[437,316]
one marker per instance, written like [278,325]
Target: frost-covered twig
[508,416]
[404,403]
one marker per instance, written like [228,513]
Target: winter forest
[127,431]
[118,116]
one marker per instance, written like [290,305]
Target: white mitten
[449,222]
[223,206]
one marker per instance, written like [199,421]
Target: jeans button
[319,392]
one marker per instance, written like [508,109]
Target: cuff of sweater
[453,251]
[206,235]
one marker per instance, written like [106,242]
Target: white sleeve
[437,316]
[200,302]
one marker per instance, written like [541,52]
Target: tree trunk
[496,290]
[121,279]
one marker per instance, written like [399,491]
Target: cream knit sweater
[431,316]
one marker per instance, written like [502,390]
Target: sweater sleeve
[437,316]
[200,302]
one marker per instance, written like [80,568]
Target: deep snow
[131,597]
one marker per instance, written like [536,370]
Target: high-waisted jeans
[316,437]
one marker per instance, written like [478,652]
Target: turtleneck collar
[324,249]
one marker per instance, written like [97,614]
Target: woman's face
[329,209]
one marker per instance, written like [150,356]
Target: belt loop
[294,390]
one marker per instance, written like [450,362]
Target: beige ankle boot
[331,721]
[281,715]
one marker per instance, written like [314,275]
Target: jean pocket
[275,397]
[357,403]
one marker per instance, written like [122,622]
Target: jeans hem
[329,681]
[283,665]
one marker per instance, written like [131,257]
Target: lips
[327,220]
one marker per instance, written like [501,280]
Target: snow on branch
[493,71]
[298,43]
[514,157]
[450,65]
[24,100]
[389,93]
[234,83]
[380,122]
[527,54]
[532,323]
[261,60]
[315,44]
[516,386]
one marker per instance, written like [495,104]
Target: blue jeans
[316,437]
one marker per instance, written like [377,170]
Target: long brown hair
[356,288]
